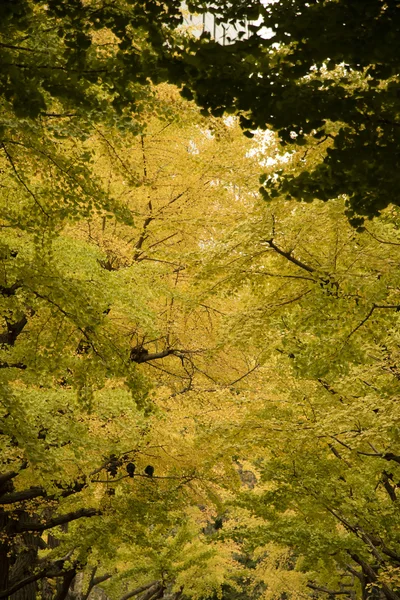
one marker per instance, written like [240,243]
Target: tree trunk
[75,591]
[4,552]
[24,552]
[26,558]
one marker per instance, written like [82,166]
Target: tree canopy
[58,56]
[318,72]
[198,382]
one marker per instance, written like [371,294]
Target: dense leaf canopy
[84,56]
[198,385]
[313,71]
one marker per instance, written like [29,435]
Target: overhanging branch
[140,589]
[61,520]
[289,256]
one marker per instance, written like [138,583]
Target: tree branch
[150,217]
[245,375]
[372,576]
[61,520]
[140,589]
[29,494]
[10,291]
[95,581]
[5,365]
[289,256]
[39,492]
[101,578]
[380,240]
[142,238]
[154,592]
[386,456]
[17,586]
[13,331]
[141,355]
[10,160]
[11,47]
[67,580]
[388,486]
[11,474]
[325,590]
[282,276]
[369,314]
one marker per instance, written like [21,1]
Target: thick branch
[326,591]
[141,355]
[372,577]
[91,584]
[13,331]
[154,592]
[19,365]
[289,256]
[390,456]
[39,492]
[143,588]
[17,586]
[52,570]
[386,456]
[10,291]
[61,520]
[29,494]
[390,553]
[67,580]
[373,541]
[101,578]
[4,477]
[389,487]
[361,534]
[367,569]
[159,593]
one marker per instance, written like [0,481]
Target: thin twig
[10,160]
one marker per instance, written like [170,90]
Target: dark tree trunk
[51,589]
[26,558]
[75,591]
[4,552]
[23,554]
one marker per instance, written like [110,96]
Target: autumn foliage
[199,380]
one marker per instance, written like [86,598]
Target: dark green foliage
[49,53]
[328,69]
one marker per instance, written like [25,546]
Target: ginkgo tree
[320,70]
[96,295]
[248,326]
[168,338]
[319,304]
